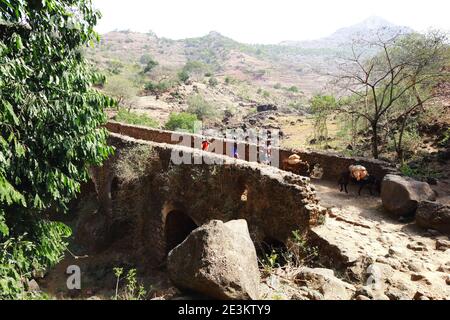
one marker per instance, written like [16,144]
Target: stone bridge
[147,204]
[331,163]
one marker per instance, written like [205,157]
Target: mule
[346,177]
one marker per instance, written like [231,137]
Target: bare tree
[379,73]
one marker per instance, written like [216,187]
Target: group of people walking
[264,157]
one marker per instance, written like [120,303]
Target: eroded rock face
[401,195]
[217,260]
[325,282]
[433,215]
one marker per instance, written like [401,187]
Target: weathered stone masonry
[332,164]
[147,217]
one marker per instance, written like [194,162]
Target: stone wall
[331,163]
[133,215]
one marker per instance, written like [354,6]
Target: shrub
[145,59]
[293,89]
[408,171]
[158,87]
[196,69]
[252,110]
[410,143]
[183,76]
[182,121]
[150,65]
[122,89]
[420,173]
[322,106]
[201,108]
[130,117]
[297,105]
[133,289]
[297,253]
[133,165]
[115,66]
[213,82]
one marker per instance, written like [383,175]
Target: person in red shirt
[205,145]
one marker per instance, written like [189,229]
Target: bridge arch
[177,225]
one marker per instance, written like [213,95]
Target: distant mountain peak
[214,34]
[366,29]
[367,26]
[375,22]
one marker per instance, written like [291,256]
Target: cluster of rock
[404,196]
[218,260]
[433,215]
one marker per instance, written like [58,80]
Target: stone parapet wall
[331,163]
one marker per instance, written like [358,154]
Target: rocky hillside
[301,64]
[366,29]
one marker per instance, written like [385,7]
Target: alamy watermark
[74,279]
[254,145]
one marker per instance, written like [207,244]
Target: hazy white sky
[265,21]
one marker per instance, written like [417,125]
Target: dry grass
[301,133]
[134,164]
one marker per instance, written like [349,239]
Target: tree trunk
[400,151]
[375,141]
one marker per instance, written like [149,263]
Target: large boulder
[433,215]
[401,195]
[217,260]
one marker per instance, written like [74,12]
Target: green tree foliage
[122,89]
[321,107]
[228,80]
[159,87]
[50,123]
[114,66]
[135,118]
[183,76]
[145,59]
[293,89]
[213,82]
[150,65]
[391,86]
[196,69]
[182,121]
[200,107]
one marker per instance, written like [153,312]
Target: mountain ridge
[367,25]
[364,29]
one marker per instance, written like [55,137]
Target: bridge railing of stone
[332,164]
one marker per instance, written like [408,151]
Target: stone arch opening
[177,227]
[268,244]
[270,248]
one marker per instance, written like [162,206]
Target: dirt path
[409,263]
